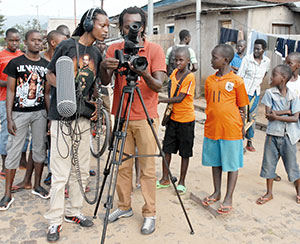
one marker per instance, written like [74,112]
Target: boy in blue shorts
[225,96]
[179,135]
[283,132]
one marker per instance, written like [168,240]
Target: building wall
[245,20]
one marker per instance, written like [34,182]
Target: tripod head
[130,55]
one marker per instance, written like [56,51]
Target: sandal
[18,188]
[263,200]
[181,189]
[298,199]
[224,209]
[41,192]
[208,201]
[158,185]
[5,203]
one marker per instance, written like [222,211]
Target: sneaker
[148,226]
[118,213]
[79,219]
[53,233]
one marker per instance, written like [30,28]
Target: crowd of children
[227,103]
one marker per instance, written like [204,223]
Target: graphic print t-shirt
[89,62]
[30,83]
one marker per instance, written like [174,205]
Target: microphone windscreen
[65,87]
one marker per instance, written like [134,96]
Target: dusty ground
[276,222]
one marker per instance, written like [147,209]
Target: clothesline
[280,44]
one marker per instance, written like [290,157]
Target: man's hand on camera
[110,63]
[139,72]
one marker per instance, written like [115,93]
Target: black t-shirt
[30,83]
[89,60]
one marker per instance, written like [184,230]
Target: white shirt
[294,86]
[253,73]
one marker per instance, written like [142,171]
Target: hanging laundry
[298,47]
[284,47]
[290,45]
[228,35]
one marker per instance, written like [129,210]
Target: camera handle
[116,152]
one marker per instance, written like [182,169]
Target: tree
[2,19]
[30,25]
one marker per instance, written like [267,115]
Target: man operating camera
[139,133]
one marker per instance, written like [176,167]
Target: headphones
[88,23]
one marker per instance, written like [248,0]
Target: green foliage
[33,24]
[2,42]
[2,19]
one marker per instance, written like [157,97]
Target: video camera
[131,49]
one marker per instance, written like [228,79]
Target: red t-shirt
[5,57]
[156,62]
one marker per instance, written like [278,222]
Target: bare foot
[24,185]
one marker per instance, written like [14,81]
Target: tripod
[116,150]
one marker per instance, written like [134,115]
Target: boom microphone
[65,87]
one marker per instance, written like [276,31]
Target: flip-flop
[17,188]
[181,189]
[5,203]
[208,201]
[224,209]
[158,185]
[263,200]
[41,192]
[298,199]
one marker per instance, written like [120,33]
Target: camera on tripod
[131,49]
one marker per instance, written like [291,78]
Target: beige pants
[63,172]
[139,135]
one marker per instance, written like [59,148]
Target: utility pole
[102,3]
[150,17]
[198,46]
[75,14]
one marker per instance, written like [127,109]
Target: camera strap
[180,82]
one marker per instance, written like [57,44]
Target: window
[284,29]
[155,30]
[225,24]
[169,28]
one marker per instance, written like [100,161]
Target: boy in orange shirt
[179,133]
[225,96]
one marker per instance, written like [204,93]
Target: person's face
[187,40]
[34,42]
[293,63]
[13,41]
[276,78]
[240,47]
[85,61]
[258,51]
[101,26]
[128,19]
[181,60]
[217,59]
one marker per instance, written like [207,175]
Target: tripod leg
[173,179]
[119,143]
[119,121]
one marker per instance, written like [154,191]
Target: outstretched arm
[177,99]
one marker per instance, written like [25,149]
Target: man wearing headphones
[139,133]
[93,26]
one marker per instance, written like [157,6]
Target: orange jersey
[183,112]
[224,95]
[5,57]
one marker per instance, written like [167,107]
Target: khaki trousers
[63,171]
[139,135]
